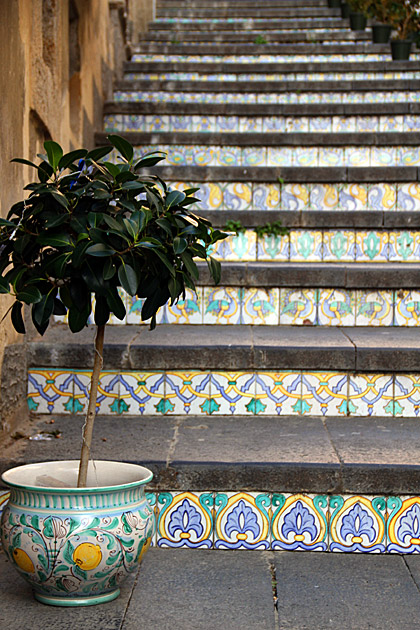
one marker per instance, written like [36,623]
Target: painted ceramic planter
[76,545]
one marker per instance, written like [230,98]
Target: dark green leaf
[79,253]
[109,269]
[128,279]
[174,198]
[180,245]
[97,154]
[78,319]
[123,146]
[146,161]
[215,269]
[54,153]
[100,250]
[115,304]
[17,319]
[131,227]
[101,311]
[112,168]
[69,158]
[55,240]
[190,265]
[29,295]
[26,162]
[4,285]
[59,308]
[55,220]
[165,260]
[42,310]
[112,223]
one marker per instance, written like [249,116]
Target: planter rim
[14,477]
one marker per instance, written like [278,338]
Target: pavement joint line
[174,442]
[343,332]
[133,588]
[132,341]
[410,572]
[273,575]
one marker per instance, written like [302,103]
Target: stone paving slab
[232,347]
[199,589]
[274,454]
[306,49]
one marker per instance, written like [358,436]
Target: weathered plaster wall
[141,12]
[57,62]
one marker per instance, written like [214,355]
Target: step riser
[178,24]
[259,124]
[252,37]
[331,76]
[282,307]
[338,97]
[245,12]
[169,54]
[223,393]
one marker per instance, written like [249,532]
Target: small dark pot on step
[345,10]
[381,33]
[358,21]
[400,49]
[334,4]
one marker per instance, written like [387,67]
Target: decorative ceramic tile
[232,393]
[295,197]
[51,391]
[384,156]
[298,306]
[305,156]
[371,395]
[271,247]
[407,395]
[242,520]
[367,124]
[143,393]
[237,196]
[330,156]
[185,311]
[237,247]
[320,124]
[108,400]
[339,246]
[278,393]
[371,246]
[279,156]
[324,393]
[343,124]
[260,306]
[324,197]
[403,524]
[407,308]
[382,197]
[408,197]
[353,197]
[336,307]
[374,308]
[185,520]
[358,524]
[306,246]
[211,196]
[392,123]
[266,196]
[222,305]
[404,246]
[187,392]
[299,522]
[251,125]
[408,156]
[357,156]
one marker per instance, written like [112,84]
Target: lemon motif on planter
[87,556]
[23,560]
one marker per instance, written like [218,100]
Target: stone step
[366,455]
[252,12]
[211,123]
[201,66]
[228,4]
[257,53]
[222,24]
[292,303]
[234,347]
[213,37]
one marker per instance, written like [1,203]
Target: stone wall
[59,58]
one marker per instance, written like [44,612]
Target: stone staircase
[278,410]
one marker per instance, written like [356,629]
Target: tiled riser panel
[319,76]
[135,96]
[316,246]
[204,393]
[273,307]
[186,20]
[202,155]
[284,521]
[302,197]
[280,124]
[263,58]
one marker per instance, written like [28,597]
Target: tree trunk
[91,412]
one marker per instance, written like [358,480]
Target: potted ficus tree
[358,14]
[380,10]
[88,228]
[404,17]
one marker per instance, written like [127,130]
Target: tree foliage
[91,225]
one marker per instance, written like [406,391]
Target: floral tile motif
[408,197]
[295,197]
[339,246]
[404,246]
[185,520]
[108,401]
[187,392]
[352,197]
[371,246]
[407,395]
[384,156]
[237,196]
[237,247]
[374,308]
[143,393]
[232,393]
[336,307]
[51,391]
[330,156]
[403,526]
[324,197]
[407,308]
[371,395]
[305,156]
[298,306]
[306,245]
[324,393]
[278,393]
[260,306]
[185,311]
[242,520]
[222,305]
[382,197]
[273,247]
[357,156]
[266,196]
[358,524]
[299,522]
